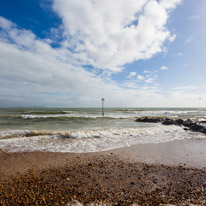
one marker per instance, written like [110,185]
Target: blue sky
[69,53]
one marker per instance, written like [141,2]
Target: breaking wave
[82,141]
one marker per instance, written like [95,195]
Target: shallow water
[86,130]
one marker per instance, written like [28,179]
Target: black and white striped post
[102,106]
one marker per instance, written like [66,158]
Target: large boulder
[203,130]
[168,121]
[150,120]
[188,123]
[195,127]
[179,121]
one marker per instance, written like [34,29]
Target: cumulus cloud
[172,38]
[113,33]
[140,77]
[132,74]
[149,80]
[36,74]
[186,87]
[163,68]
[5,24]
[179,54]
[103,34]
[30,78]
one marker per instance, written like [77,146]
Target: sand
[187,152]
[152,174]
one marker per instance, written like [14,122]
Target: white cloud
[132,74]
[104,34]
[39,77]
[163,68]
[113,33]
[130,85]
[172,38]
[5,24]
[179,54]
[169,4]
[22,37]
[149,80]
[36,74]
[186,87]
[30,78]
[140,77]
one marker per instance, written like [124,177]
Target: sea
[82,130]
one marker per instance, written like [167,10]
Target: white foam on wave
[113,115]
[92,140]
[94,116]
[172,113]
[11,133]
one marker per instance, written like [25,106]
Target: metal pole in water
[102,106]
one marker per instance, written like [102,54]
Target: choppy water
[85,130]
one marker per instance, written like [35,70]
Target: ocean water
[86,130]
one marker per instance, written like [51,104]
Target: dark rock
[168,119]
[179,121]
[196,127]
[188,123]
[168,122]
[203,130]
[150,120]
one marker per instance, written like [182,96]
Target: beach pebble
[74,203]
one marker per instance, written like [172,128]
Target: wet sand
[187,152]
[153,174]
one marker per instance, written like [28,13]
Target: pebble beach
[102,103]
[104,178]
[78,157]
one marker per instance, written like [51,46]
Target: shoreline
[164,173]
[187,152]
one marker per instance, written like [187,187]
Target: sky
[71,53]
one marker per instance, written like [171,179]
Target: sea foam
[82,141]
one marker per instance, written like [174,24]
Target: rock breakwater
[197,126]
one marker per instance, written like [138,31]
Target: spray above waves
[81,141]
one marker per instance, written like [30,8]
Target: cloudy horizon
[69,53]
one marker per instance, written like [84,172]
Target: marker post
[102,106]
